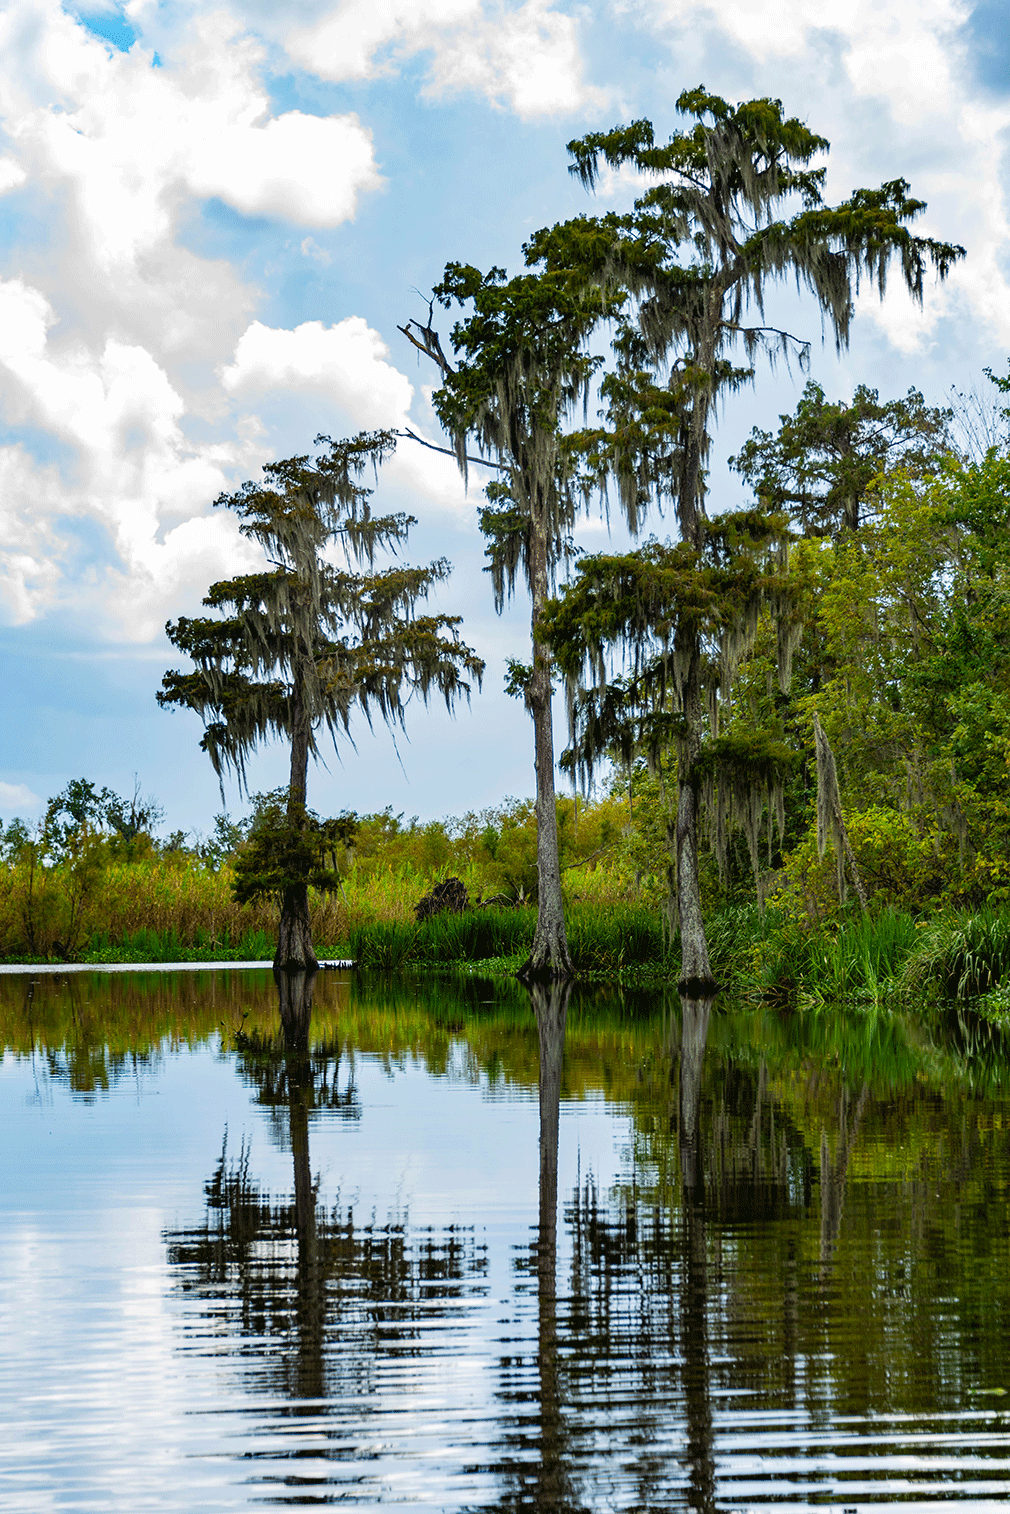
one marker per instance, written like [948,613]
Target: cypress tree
[688,268]
[294,648]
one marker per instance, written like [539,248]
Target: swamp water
[435,1250]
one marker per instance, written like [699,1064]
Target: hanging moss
[830,824]
[741,780]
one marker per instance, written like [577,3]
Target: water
[447,1255]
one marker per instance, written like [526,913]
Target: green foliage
[821,464]
[857,961]
[962,956]
[283,847]
[14,839]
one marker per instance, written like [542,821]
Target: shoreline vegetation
[174,905]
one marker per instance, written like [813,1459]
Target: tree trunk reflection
[700,1457]
[294,994]
[550,1005]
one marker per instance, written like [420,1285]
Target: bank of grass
[147,945]
[859,958]
[164,910]
[615,937]
[161,909]
[154,910]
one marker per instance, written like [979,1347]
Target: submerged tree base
[548,962]
[698,988]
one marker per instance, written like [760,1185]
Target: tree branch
[427,342]
[569,866]
[448,451]
[754,330]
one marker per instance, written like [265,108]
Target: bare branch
[427,341]
[447,451]
[755,331]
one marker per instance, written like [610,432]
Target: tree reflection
[314,1300]
[550,1005]
[694,1301]
[834,1171]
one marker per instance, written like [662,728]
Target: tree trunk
[696,979]
[549,957]
[695,973]
[294,931]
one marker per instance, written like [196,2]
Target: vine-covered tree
[735,208]
[296,647]
[523,366]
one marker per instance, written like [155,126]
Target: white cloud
[344,44]
[526,58]
[12,175]
[347,360]
[110,331]
[307,169]
[889,86]
[31,550]
[131,469]
[130,139]
[310,248]
[16,797]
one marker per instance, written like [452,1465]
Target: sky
[212,222]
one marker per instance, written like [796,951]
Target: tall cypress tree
[695,258]
[296,647]
[522,367]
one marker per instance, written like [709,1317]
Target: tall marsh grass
[861,960]
[601,938]
[962,956]
[153,910]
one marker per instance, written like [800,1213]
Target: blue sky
[211,223]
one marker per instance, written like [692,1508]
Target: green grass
[860,960]
[962,956]
[149,945]
[601,938]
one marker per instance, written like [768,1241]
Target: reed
[859,961]
[150,945]
[601,938]
[153,910]
[961,956]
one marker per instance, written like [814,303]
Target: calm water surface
[451,1249]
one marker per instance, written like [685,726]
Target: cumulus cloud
[129,138]
[130,468]
[32,552]
[15,797]
[526,58]
[12,175]
[893,90]
[347,360]
[307,169]
[101,341]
